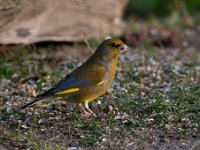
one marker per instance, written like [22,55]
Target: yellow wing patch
[68,91]
[100,83]
[40,101]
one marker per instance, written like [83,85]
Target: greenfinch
[89,81]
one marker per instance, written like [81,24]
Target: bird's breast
[110,73]
[99,89]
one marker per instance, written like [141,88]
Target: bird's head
[111,48]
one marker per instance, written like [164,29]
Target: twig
[31,77]
[24,80]
[86,42]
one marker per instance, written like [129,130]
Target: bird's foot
[86,115]
[86,112]
[91,112]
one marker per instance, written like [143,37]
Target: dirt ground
[155,95]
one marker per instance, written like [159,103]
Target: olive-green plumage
[90,80]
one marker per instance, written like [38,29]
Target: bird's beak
[123,48]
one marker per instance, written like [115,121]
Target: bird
[89,81]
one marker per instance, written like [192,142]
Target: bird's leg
[84,113]
[81,108]
[86,106]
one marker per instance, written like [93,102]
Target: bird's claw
[86,114]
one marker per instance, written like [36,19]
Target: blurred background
[161,23]
[168,23]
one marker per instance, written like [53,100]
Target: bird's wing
[67,85]
[86,76]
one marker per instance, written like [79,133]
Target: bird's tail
[37,100]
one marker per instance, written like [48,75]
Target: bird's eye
[115,45]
